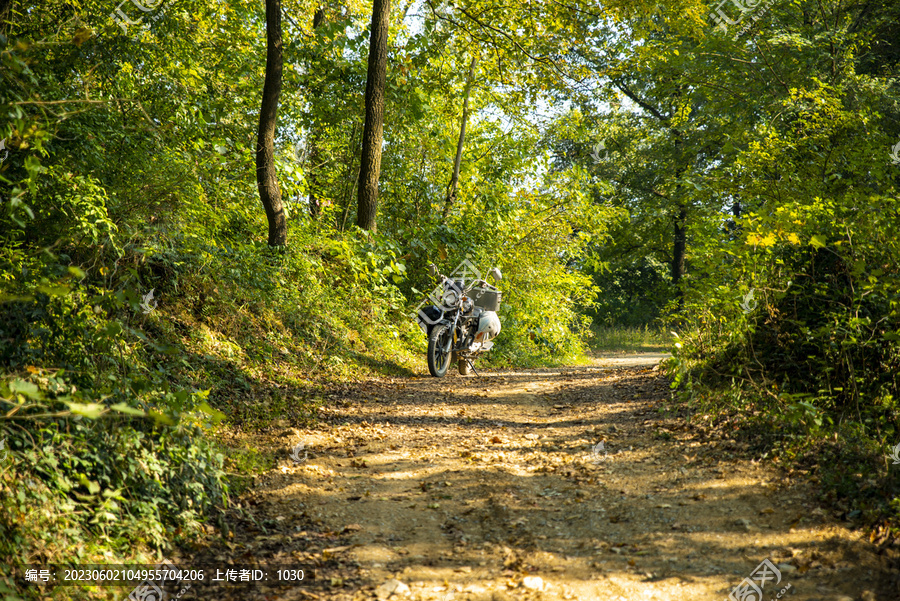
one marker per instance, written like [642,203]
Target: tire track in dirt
[497,488]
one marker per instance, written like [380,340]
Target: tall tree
[315,184]
[373,132]
[454,179]
[266,178]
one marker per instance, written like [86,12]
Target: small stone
[534,583]
[401,589]
[786,568]
[391,587]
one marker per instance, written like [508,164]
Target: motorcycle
[461,323]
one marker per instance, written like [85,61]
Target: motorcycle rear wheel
[439,358]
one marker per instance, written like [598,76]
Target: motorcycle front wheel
[438,350]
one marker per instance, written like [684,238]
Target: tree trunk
[373,133]
[315,185]
[679,237]
[266,178]
[347,191]
[454,179]
[679,245]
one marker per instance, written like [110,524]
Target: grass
[641,339]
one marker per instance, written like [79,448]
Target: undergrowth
[846,464]
[111,399]
[808,354]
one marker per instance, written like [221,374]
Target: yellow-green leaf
[13,298]
[161,418]
[27,389]
[123,408]
[53,290]
[90,410]
[214,414]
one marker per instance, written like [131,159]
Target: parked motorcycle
[461,324]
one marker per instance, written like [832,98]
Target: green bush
[634,293]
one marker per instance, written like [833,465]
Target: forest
[218,218]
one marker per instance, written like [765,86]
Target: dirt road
[541,484]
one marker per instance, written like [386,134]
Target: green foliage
[634,292]
[131,485]
[793,302]
[74,211]
[771,149]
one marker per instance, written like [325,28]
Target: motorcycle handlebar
[467,288]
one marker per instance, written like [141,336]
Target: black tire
[438,357]
[463,367]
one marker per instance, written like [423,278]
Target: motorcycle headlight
[450,298]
